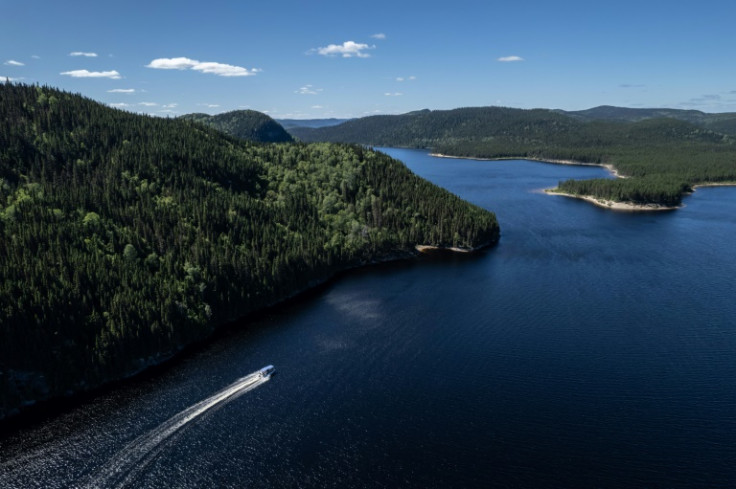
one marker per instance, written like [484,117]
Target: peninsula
[124,238]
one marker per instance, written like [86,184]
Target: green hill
[245,124]
[125,237]
[666,156]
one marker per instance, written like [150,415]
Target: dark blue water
[588,349]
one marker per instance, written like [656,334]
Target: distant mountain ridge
[721,122]
[431,128]
[249,125]
[423,127]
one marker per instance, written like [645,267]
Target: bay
[590,348]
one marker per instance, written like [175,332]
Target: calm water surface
[588,349]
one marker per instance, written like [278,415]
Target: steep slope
[249,125]
[125,237]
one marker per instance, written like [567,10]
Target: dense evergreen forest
[245,124]
[124,237]
[664,157]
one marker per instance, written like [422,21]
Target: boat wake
[128,462]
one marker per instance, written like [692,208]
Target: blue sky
[315,59]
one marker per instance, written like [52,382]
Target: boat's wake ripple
[128,462]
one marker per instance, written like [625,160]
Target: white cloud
[317,107]
[401,78]
[148,104]
[395,94]
[35,56]
[508,59]
[348,49]
[9,78]
[12,62]
[122,90]
[379,35]
[169,106]
[92,74]
[308,90]
[172,63]
[210,106]
[222,69]
[119,104]
[80,53]
[219,69]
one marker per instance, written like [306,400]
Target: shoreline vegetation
[551,161]
[597,201]
[453,249]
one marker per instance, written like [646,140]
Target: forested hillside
[665,157]
[245,124]
[124,237]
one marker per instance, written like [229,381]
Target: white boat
[266,371]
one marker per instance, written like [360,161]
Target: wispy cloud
[35,56]
[92,74]
[119,105]
[631,85]
[169,106]
[402,79]
[209,106]
[81,53]
[707,100]
[3,79]
[219,69]
[308,90]
[317,107]
[148,104]
[122,90]
[379,35]
[394,94]
[348,49]
[12,62]
[510,59]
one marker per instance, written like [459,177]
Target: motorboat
[266,371]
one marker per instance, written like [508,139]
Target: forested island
[664,153]
[125,237]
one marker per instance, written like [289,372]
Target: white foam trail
[125,464]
